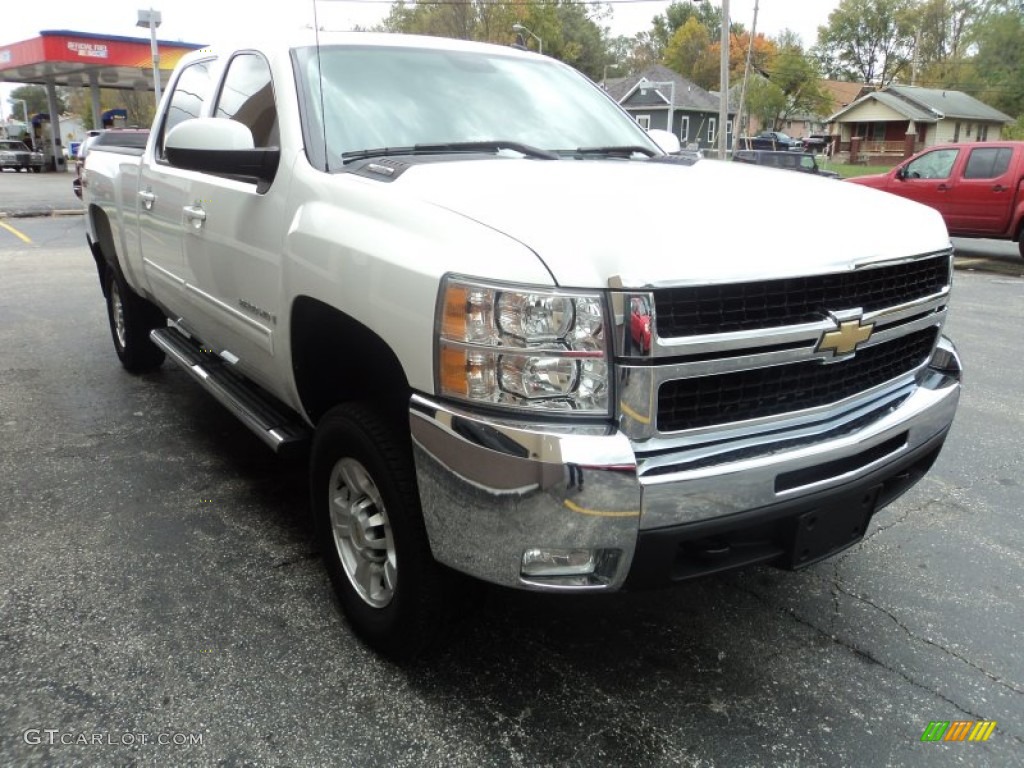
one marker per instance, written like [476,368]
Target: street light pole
[152,20]
[517,27]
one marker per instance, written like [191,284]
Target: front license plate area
[830,529]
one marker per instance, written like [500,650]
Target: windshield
[13,146]
[377,96]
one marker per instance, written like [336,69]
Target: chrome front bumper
[494,488]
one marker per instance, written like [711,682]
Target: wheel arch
[104,252]
[336,359]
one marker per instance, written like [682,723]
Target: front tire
[369,525]
[131,319]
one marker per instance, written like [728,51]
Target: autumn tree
[689,53]
[868,41]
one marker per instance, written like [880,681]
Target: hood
[649,224]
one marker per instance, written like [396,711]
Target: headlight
[6,156]
[522,347]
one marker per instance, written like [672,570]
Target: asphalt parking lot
[161,599]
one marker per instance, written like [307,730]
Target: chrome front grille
[723,362]
[743,395]
[712,309]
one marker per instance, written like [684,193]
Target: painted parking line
[20,235]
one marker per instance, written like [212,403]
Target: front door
[928,179]
[234,233]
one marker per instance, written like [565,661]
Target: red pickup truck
[977,187]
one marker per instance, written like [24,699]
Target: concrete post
[910,141]
[56,143]
[97,110]
[854,149]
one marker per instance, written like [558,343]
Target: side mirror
[901,173]
[222,147]
[666,140]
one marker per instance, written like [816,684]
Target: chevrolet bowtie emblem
[846,338]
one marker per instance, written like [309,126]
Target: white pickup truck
[521,344]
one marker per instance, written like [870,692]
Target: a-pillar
[55,142]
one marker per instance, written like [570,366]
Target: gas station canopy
[76,59]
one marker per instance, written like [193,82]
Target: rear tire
[131,319]
[369,524]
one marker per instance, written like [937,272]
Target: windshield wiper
[614,151]
[454,146]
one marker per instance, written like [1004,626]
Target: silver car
[17,155]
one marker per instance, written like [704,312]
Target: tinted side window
[988,163]
[248,97]
[190,92]
[935,165]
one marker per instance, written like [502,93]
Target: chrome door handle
[148,198]
[195,214]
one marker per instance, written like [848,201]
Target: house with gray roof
[657,95]
[899,120]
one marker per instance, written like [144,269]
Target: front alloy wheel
[369,525]
[362,533]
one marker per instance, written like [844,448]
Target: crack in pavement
[297,559]
[910,633]
[857,651]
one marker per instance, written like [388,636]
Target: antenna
[320,77]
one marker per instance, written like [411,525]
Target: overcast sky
[207,21]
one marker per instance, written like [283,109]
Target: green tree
[689,53]
[35,98]
[870,41]
[570,29]
[999,62]
[797,76]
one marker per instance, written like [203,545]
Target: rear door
[235,232]
[982,200]
[163,192]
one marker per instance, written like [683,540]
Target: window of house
[684,128]
[876,132]
[728,128]
[969,127]
[644,121]
[956,131]
[982,133]
[712,125]
[988,163]
[248,97]
[191,91]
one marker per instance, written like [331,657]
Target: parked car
[772,140]
[16,154]
[975,186]
[790,161]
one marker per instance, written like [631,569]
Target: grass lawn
[855,170]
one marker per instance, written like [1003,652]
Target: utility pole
[746,73]
[913,66]
[723,85]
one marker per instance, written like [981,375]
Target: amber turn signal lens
[456,304]
[454,364]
